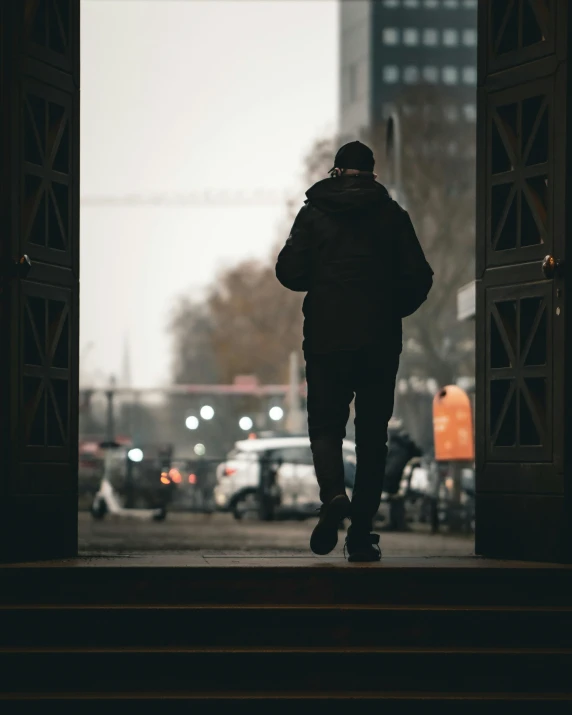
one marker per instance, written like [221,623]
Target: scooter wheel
[98,509]
[161,515]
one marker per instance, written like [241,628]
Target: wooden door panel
[47,161]
[523,526]
[46,412]
[520,31]
[520,123]
[49,32]
[519,373]
[39,312]
[521,328]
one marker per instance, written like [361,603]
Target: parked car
[273,477]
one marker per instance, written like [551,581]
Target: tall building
[387,47]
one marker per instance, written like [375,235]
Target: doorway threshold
[224,558]
[222,578]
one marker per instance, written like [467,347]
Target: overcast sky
[184,96]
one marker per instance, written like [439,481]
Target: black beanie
[354,155]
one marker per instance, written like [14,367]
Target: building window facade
[411,75]
[411,36]
[430,37]
[390,36]
[470,37]
[451,112]
[469,75]
[409,110]
[470,112]
[450,37]
[431,74]
[433,46]
[391,74]
[450,75]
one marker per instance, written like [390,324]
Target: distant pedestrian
[203,487]
[355,253]
[401,449]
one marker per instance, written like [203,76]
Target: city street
[222,533]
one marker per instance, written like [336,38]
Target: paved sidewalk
[219,535]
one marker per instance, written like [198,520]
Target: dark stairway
[405,636]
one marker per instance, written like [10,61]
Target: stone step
[282,627]
[298,671]
[401,583]
[276,634]
[391,703]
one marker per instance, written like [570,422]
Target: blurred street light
[192,422]
[200,449]
[207,412]
[276,413]
[245,423]
[135,455]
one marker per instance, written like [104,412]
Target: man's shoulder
[395,209]
[306,209]
[308,212]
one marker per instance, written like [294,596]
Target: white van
[296,488]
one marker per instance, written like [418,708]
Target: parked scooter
[118,492]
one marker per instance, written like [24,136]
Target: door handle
[552,267]
[19,268]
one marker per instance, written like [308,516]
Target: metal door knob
[22,266]
[552,268]
[16,269]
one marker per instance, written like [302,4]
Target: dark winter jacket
[354,251]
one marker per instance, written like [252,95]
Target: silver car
[293,489]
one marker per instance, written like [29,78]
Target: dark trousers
[333,380]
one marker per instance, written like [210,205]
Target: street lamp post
[110,394]
[294,414]
[394,153]
[393,150]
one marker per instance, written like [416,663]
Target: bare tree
[256,324]
[192,332]
[248,323]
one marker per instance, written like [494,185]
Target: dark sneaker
[362,547]
[325,535]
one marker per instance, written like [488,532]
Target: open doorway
[202,126]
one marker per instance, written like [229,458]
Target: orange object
[175,476]
[453,425]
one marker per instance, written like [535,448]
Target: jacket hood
[346,193]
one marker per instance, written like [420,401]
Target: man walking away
[354,251]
